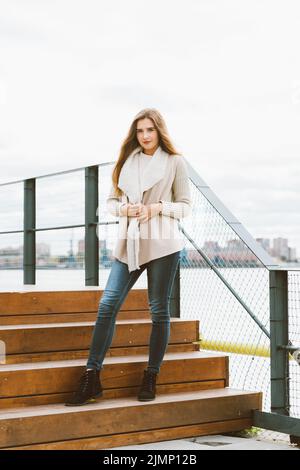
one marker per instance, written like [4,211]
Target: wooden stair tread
[79,324]
[36,288]
[58,337]
[127,402]
[109,360]
[64,301]
[66,317]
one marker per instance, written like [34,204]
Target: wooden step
[114,422]
[83,354]
[65,301]
[53,382]
[24,339]
[136,438]
[68,317]
[61,306]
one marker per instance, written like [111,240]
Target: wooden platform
[47,349]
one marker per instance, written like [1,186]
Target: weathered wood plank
[82,354]
[136,438]
[51,423]
[68,317]
[22,339]
[38,400]
[125,371]
[36,302]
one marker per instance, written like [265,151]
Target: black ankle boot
[89,388]
[148,388]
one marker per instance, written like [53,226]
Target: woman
[150,192]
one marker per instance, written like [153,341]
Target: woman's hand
[131,210]
[148,211]
[143,212]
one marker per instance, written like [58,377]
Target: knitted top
[160,235]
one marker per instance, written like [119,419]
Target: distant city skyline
[233,250]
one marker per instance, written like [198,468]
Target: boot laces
[85,380]
[149,379]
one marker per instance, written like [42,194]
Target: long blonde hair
[130,142]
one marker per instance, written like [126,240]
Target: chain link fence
[226,286]
[294,336]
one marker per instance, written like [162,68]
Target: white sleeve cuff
[177,210]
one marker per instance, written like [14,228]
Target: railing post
[279,338]
[29,256]
[175,295]
[91,225]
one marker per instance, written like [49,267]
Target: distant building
[11,257]
[281,248]
[43,249]
[265,243]
[105,254]
[292,254]
[80,251]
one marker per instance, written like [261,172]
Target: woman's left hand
[148,211]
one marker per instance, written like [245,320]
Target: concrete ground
[218,442]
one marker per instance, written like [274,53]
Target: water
[60,279]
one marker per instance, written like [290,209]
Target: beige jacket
[160,235]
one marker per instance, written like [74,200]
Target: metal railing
[247,305]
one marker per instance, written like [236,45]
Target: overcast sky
[224,74]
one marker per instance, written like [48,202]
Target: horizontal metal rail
[60,227]
[277,422]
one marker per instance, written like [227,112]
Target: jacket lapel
[132,183]
[155,169]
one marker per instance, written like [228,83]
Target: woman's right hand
[131,210]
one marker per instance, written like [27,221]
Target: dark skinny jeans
[160,275]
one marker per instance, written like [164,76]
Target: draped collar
[132,182]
